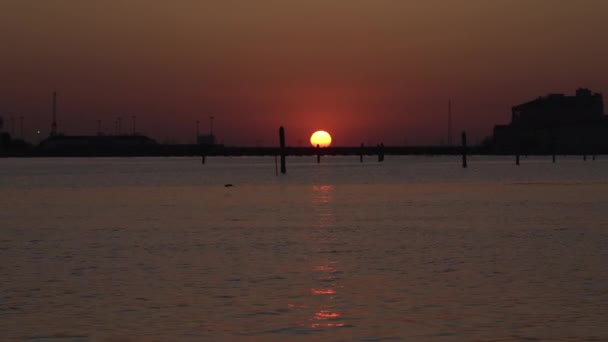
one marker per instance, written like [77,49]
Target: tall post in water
[380,150]
[203,149]
[361,154]
[282,142]
[517,159]
[464,149]
[318,154]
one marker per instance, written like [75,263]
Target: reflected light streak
[326,268]
[323,291]
[326,314]
[321,199]
[322,194]
[327,281]
[326,325]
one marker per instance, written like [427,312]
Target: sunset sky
[364,70]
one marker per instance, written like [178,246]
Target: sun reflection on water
[321,194]
[326,314]
[321,310]
[325,271]
[325,319]
[327,268]
[323,291]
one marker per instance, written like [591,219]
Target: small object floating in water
[229,185]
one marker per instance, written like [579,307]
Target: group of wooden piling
[517,154]
[283,152]
[379,151]
[553,157]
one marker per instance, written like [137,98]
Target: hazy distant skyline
[365,71]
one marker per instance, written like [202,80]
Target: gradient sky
[366,71]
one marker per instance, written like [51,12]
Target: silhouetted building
[9,146]
[5,138]
[206,140]
[97,144]
[556,122]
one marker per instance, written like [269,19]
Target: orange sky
[366,71]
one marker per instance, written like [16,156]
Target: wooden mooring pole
[283,152]
[464,149]
[318,154]
[381,152]
[361,154]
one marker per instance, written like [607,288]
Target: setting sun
[321,138]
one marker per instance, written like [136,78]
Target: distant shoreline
[214,151]
[197,151]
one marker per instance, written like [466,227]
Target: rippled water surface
[413,249]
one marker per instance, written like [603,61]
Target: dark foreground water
[414,249]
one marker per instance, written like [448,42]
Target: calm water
[414,249]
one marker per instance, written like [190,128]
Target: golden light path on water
[326,315]
[324,272]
